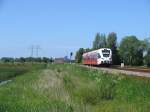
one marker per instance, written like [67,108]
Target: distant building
[59,60]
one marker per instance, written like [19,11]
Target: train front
[105,56]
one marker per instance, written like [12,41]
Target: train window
[98,55]
[105,55]
[106,51]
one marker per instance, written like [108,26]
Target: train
[98,57]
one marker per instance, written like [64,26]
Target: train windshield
[106,53]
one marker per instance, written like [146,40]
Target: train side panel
[90,58]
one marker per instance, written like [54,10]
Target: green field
[9,71]
[70,88]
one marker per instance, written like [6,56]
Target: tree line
[130,50]
[28,59]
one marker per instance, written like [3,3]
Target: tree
[22,59]
[37,59]
[147,58]
[87,50]
[79,54]
[112,44]
[147,43]
[99,42]
[146,46]
[45,60]
[131,51]
[7,59]
[29,59]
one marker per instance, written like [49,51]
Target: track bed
[135,71]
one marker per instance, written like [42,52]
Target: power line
[35,50]
[32,50]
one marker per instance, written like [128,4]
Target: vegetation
[131,51]
[70,88]
[8,71]
[28,59]
[112,44]
[99,42]
[147,58]
[146,44]
[79,54]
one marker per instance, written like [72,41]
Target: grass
[99,91]
[8,71]
[70,88]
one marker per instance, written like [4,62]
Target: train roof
[97,50]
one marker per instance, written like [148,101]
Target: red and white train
[101,56]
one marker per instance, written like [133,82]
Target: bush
[88,95]
[147,60]
[96,93]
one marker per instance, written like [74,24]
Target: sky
[63,26]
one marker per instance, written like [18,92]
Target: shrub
[147,60]
[88,95]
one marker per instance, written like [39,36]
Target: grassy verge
[99,91]
[69,88]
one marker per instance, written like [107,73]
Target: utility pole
[32,51]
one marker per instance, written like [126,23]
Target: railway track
[135,71]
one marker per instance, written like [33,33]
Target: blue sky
[62,26]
